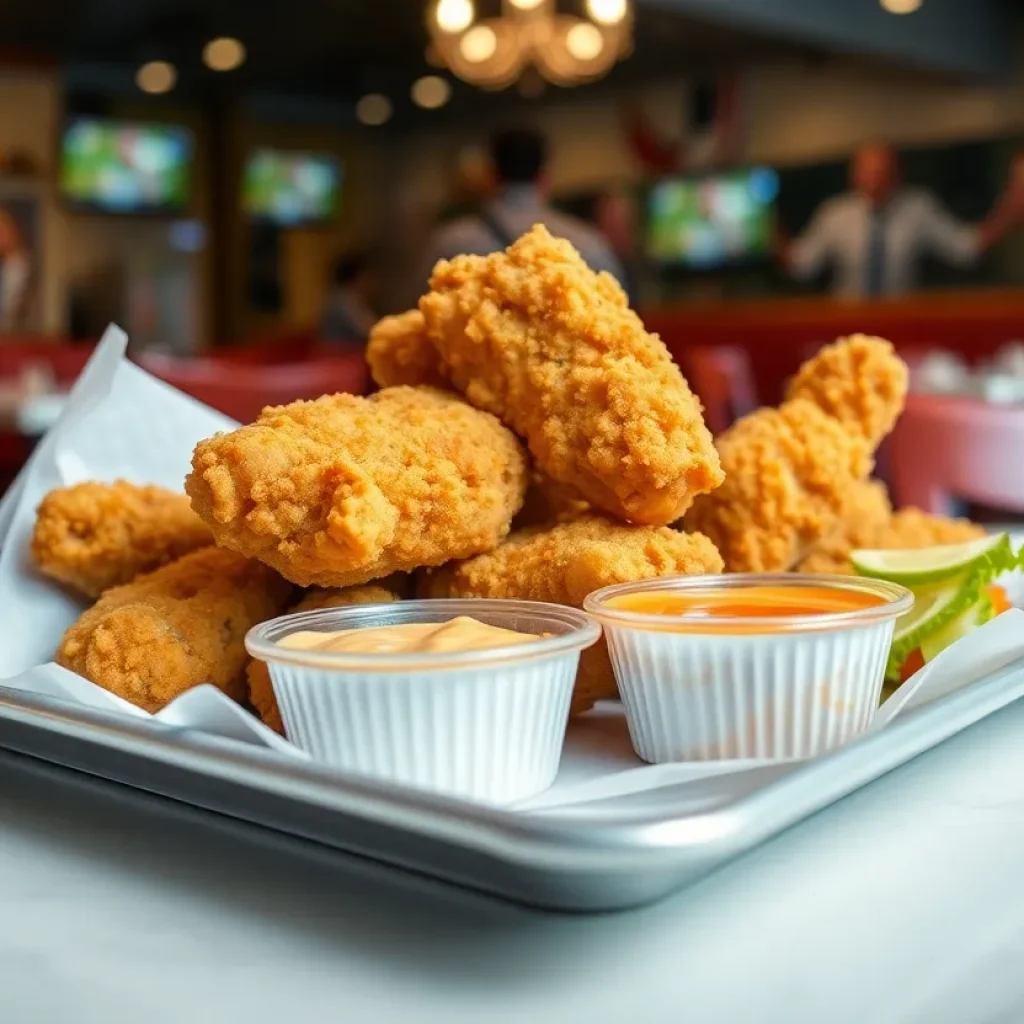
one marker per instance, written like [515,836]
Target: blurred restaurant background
[246,187]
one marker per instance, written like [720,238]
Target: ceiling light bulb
[479,44]
[374,109]
[224,54]
[607,12]
[155,77]
[901,6]
[431,92]
[454,15]
[526,5]
[584,41]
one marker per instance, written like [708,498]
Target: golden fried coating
[261,690]
[789,473]
[399,353]
[859,381]
[907,528]
[343,490]
[549,502]
[565,563]
[94,536]
[183,625]
[551,348]
[867,510]
[912,528]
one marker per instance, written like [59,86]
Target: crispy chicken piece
[551,348]
[343,490]
[178,627]
[867,510]
[907,528]
[399,353]
[565,563]
[859,381]
[789,474]
[261,690]
[912,528]
[94,536]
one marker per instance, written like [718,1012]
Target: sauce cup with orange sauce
[776,666]
[437,695]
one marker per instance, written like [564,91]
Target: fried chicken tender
[94,536]
[867,511]
[908,528]
[565,563]
[912,528]
[178,627]
[789,473]
[859,381]
[553,349]
[261,690]
[399,353]
[344,490]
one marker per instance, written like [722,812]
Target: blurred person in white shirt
[519,161]
[874,237]
[15,275]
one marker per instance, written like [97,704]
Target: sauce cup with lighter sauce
[469,698]
[776,666]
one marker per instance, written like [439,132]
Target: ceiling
[328,50]
[326,53]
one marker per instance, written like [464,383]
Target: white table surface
[903,903]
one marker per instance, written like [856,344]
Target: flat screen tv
[712,221]
[119,167]
[290,189]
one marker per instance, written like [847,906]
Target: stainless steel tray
[585,857]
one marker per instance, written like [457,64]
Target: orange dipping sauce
[757,601]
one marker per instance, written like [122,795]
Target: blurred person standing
[349,311]
[519,159]
[615,216]
[875,236]
[15,275]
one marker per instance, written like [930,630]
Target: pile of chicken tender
[530,440]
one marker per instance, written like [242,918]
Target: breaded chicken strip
[867,510]
[878,527]
[344,490]
[261,690]
[180,626]
[565,563]
[789,473]
[859,381]
[94,536]
[398,353]
[551,348]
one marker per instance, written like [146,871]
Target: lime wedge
[966,622]
[934,608]
[927,565]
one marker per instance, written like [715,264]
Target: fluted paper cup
[705,688]
[480,725]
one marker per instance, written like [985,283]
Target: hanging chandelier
[566,49]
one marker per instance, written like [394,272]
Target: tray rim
[543,841]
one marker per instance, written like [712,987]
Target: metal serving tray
[603,855]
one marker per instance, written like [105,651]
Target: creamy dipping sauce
[456,635]
[758,601]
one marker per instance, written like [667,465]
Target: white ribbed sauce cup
[480,725]
[700,687]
